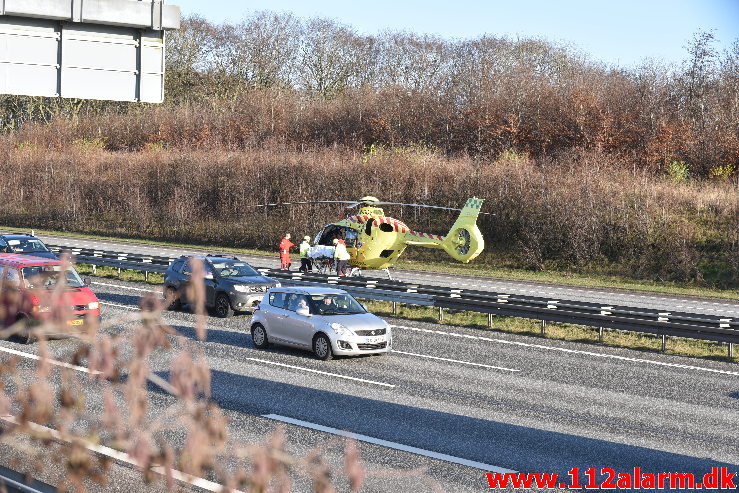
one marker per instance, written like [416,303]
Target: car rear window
[27,245]
[178,265]
[234,269]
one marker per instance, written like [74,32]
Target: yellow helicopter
[375,241]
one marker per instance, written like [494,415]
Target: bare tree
[332,58]
[420,63]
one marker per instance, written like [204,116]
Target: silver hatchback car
[328,321]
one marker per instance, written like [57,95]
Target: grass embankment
[553,330]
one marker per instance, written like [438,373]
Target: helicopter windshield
[334,231]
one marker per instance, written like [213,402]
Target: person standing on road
[305,262]
[341,255]
[285,246]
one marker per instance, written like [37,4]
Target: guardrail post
[395,307]
[441,314]
[600,334]
[146,276]
[664,343]
[119,272]
[724,324]
[490,320]
[543,327]
[94,269]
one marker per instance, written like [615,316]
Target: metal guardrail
[15,482]
[677,324]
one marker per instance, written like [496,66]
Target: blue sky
[618,32]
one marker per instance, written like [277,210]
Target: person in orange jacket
[285,246]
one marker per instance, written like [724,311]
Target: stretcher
[322,257]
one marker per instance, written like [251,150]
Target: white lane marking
[454,361]
[120,306]
[388,444]
[571,351]
[52,361]
[124,457]
[311,370]
[126,287]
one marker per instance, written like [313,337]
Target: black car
[230,284]
[25,245]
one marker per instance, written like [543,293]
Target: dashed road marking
[389,444]
[571,351]
[454,361]
[311,370]
[48,360]
[126,287]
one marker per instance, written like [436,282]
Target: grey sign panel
[28,57]
[92,49]
[46,9]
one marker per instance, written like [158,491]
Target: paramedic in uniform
[285,246]
[305,262]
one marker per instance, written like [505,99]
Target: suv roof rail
[223,255]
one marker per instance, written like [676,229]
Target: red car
[29,290]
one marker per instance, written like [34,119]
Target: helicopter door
[327,235]
[332,231]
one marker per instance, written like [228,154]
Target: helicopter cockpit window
[350,237]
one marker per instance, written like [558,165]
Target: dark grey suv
[230,284]
[25,245]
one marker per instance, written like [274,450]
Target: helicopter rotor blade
[355,203]
[429,207]
[306,203]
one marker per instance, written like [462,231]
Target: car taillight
[35,303]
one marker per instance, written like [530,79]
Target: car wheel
[259,336]
[25,337]
[322,347]
[172,294]
[222,307]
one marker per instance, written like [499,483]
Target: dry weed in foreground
[50,407]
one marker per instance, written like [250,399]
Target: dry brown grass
[583,212]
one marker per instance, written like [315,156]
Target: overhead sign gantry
[91,49]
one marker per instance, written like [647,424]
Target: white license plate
[373,340]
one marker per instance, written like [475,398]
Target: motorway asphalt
[607,297]
[482,399]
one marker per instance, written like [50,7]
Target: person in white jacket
[341,256]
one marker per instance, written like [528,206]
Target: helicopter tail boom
[464,241]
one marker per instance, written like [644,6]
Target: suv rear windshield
[26,245]
[234,269]
[46,276]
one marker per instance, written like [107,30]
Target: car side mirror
[303,311]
